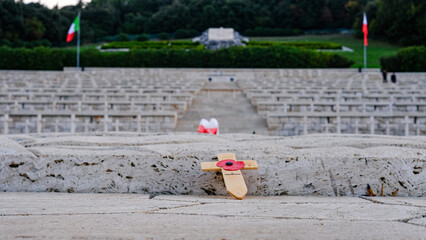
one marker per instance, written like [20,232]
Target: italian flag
[365,29]
[75,26]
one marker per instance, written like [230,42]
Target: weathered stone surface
[135,216]
[326,165]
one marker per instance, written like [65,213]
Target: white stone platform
[169,163]
[136,216]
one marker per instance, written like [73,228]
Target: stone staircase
[228,104]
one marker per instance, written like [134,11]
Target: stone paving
[135,216]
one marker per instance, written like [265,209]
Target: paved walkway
[228,104]
[134,216]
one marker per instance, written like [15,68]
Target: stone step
[222,85]
[325,165]
[225,102]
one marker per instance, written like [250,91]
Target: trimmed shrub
[18,44]
[410,59]
[191,45]
[391,63]
[180,33]
[192,33]
[5,42]
[307,45]
[413,59]
[122,37]
[142,38]
[337,61]
[153,45]
[235,57]
[40,58]
[163,36]
[269,32]
[184,33]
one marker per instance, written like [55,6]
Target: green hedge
[186,33]
[195,45]
[269,32]
[307,45]
[391,63]
[36,59]
[25,44]
[237,57]
[410,59]
[154,45]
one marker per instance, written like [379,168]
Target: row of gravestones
[102,101]
[344,106]
[95,122]
[288,125]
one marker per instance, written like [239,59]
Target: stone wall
[325,165]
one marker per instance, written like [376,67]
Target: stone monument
[216,38]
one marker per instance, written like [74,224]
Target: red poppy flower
[230,165]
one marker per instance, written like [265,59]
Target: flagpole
[78,41]
[365,31]
[365,57]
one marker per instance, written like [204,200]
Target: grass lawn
[375,49]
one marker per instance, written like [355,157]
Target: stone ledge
[168,163]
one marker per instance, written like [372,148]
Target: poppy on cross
[230,168]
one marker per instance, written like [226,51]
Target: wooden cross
[230,167]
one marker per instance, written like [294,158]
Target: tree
[34,29]
[399,21]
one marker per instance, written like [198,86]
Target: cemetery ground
[375,50]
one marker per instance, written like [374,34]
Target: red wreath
[230,165]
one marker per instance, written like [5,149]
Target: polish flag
[365,29]
[75,27]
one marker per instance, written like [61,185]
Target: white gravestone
[221,34]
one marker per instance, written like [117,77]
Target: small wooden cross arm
[234,181]
[211,166]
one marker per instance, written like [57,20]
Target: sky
[52,3]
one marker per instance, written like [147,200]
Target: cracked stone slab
[122,226]
[266,200]
[419,221]
[402,201]
[80,204]
[135,216]
[284,210]
[169,163]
